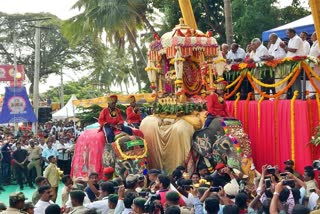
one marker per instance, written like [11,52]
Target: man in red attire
[111,120]
[216,105]
[133,113]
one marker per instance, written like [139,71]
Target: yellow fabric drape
[315,9]
[102,101]
[169,141]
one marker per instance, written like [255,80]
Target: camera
[268,183]
[215,189]
[288,182]
[271,170]
[150,206]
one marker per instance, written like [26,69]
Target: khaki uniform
[35,159]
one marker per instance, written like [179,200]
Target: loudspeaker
[44,114]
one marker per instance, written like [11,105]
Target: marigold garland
[235,81]
[246,112]
[296,70]
[276,127]
[283,81]
[310,123]
[318,104]
[125,157]
[292,124]
[259,113]
[236,105]
[308,71]
[227,96]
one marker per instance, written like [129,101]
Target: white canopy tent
[69,110]
[303,24]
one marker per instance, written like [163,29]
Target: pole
[15,70]
[36,76]
[61,90]
[228,21]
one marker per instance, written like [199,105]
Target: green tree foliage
[55,50]
[89,115]
[250,17]
[82,89]
[208,15]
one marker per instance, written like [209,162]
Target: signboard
[16,106]
[7,73]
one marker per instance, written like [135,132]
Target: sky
[62,9]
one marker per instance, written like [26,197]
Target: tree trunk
[228,21]
[132,39]
[147,23]
[135,67]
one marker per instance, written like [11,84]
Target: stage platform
[275,135]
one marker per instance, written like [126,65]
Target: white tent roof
[303,24]
[69,110]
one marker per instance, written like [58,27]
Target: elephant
[224,141]
[127,155]
[169,138]
[182,141]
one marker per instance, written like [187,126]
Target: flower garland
[125,157]
[318,104]
[235,81]
[246,112]
[296,72]
[271,63]
[236,105]
[310,123]
[284,80]
[307,69]
[276,127]
[259,113]
[227,96]
[292,124]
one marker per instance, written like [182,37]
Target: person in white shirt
[306,44]
[64,157]
[236,54]
[259,52]
[277,52]
[294,48]
[44,202]
[314,51]
[105,189]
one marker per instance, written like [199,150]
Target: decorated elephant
[223,141]
[126,155]
[169,139]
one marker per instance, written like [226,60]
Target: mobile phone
[267,182]
[284,174]
[215,189]
[288,182]
[271,170]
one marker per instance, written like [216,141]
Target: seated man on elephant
[216,105]
[133,113]
[111,120]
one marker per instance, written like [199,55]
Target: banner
[7,73]
[16,106]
